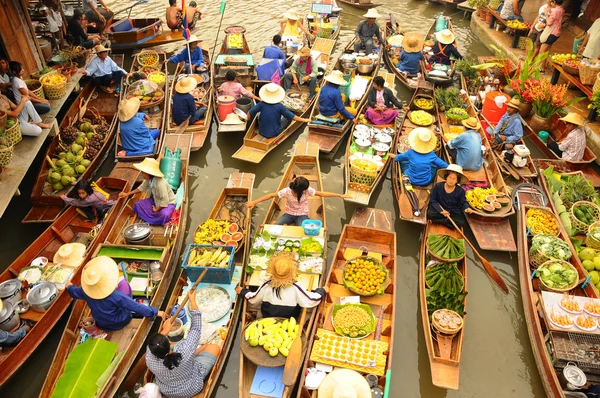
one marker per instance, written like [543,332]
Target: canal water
[496,359]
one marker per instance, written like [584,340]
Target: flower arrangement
[546,98]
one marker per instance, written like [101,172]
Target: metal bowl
[381,149]
[365,68]
[363,144]
[361,134]
[384,138]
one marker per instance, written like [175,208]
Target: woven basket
[55,91]
[590,241]
[578,225]
[363,180]
[552,289]
[14,133]
[588,74]
[414,106]
[148,69]
[444,260]
[570,70]
[597,83]
[522,43]
[161,85]
[38,91]
[38,75]
[493,4]
[537,258]
[6,155]
[147,52]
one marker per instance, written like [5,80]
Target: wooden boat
[156,115]
[437,80]
[46,203]
[313,26]
[545,340]
[305,163]
[205,91]
[492,230]
[131,338]
[329,137]
[392,27]
[371,229]
[130,33]
[444,351]
[561,166]
[70,226]
[361,192]
[362,4]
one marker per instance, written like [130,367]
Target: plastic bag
[149,390]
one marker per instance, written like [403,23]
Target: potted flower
[547,99]
[481,6]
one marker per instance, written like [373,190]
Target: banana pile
[210,231]
[275,337]
[208,257]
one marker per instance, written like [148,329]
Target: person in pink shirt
[296,203]
[555,14]
[233,88]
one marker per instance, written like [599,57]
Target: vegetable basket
[6,155]
[148,58]
[587,74]
[154,75]
[35,87]
[554,289]
[591,241]
[538,258]
[54,89]
[14,133]
[415,106]
[444,260]
[576,223]
[361,180]
[546,247]
[38,74]
[135,76]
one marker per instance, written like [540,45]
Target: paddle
[181,128]
[486,264]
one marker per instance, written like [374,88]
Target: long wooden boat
[156,115]
[131,33]
[70,226]
[329,137]
[444,351]
[361,4]
[561,166]
[361,192]
[46,203]
[392,27]
[131,338]
[438,80]
[543,337]
[492,230]
[305,163]
[369,229]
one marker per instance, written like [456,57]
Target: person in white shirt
[55,24]
[572,146]
[103,70]
[19,88]
[537,27]
[590,48]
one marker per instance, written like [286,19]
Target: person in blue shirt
[274,116]
[444,47]
[412,53]
[509,129]
[103,70]
[466,148]
[273,51]
[417,163]
[136,137]
[331,103]
[196,56]
[10,339]
[111,308]
[184,104]
[447,199]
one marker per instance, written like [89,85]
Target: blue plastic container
[182,314]
[312,231]
[214,275]
[543,135]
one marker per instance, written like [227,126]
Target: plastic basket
[6,155]
[312,231]
[553,289]
[588,74]
[37,91]
[55,91]
[214,275]
[578,225]
[590,241]
[14,133]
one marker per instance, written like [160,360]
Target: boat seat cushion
[123,25]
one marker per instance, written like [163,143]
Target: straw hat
[128,108]
[304,52]
[271,93]
[344,383]
[193,39]
[412,42]
[573,118]
[185,85]
[471,123]
[291,14]
[336,77]
[70,254]
[514,103]
[445,36]
[372,13]
[283,269]
[149,166]
[232,118]
[422,140]
[462,179]
[100,49]
[100,277]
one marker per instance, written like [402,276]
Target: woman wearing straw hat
[274,116]
[12,338]
[290,27]
[447,199]
[380,100]
[304,70]
[136,137]
[572,146]
[157,209]
[412,53]
[184,103]
[509,129]
[103,70]
[331,103]
[345,383]
[365,31]
[419,163]
[281,296]
[465,149]
[195,54]
[111,308]
[444,47]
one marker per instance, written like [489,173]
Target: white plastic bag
[150,390]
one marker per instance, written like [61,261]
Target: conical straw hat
[100,277]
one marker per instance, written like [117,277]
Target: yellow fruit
[273,352]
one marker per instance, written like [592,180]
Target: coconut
[80,141]
[75,147]
[62,155]
[58,186]
[68,171]
[69,157]
[85,163]
[65,181]
[80,169]
[55,177]
[60,163]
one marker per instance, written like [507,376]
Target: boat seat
[123,25]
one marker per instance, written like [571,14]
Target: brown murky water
[496,359]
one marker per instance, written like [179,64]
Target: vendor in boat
[572,146]
[19,88]
[296,200]
[331,102]
[290,27]
[380,100]
[180,372]
[274,51]
[93,203]
[102,16]
[185,105]
[110,307]
[79,34]
[175,19]
[366,30]
[274,116]
[30,121]
[412,53]
[105,73]
[158,208]
[281,295]
[235,89]
[12,338]
[448,199]
[196,56]
[465,149]
[136,137]
[304,70]
[420,162]
[444,47]
[509,129]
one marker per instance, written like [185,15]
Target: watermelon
[490,198]
[496,205]
[233,228]
[225,238]
[238,236]
[503,201]
[488,208]
[232,243]
[500,195]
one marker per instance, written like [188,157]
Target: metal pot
[155,266]
[42,296]
[388,131]
[9,320]
[381,149]
[572,378]
[363,144]
[384,138]
[138,234]
[361,134]
[348,58]
[10,291]
[349,68]
[365,68]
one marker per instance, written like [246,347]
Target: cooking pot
[572,378]
[42,296]
[363,144]
[361,134]
[381,149]
[381,137]
[365,68]
[9,320]
[349,68]
[10,291]
[138,234]
[388,131]
[348,58]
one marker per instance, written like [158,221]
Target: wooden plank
[373,218]
[241,180]
[493,235]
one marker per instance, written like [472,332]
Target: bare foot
[107,90]
[44,125]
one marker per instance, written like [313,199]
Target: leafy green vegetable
[576,188]
[551,246]
[558,275]
[436,300]
[448,98]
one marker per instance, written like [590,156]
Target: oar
[486,264]
[404,203]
